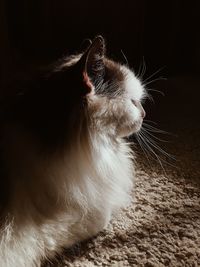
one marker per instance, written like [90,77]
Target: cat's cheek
[133,115]
[125,132]
[137,126]
[132,124]
[129,130]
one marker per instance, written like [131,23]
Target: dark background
[161,33]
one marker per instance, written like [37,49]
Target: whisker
[124,56]
[142,147]
[153,136]
[152,75]
[155,145]
[154,80]
[156,130]
[157,91]
[140,67]
[150,97]
[153,129]
[148,142]
[143,69]
[153,122]
[160,159]
[153,152]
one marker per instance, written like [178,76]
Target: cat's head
[113,93]
[85,92]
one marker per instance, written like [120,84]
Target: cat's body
[66,167]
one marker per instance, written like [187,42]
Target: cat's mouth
[131,129]
[137,126]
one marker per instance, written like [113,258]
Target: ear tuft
[85,45]
[98,46]
[93,63]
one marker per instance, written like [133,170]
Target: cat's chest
[95,194]
[104,180]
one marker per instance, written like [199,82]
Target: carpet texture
[162,225]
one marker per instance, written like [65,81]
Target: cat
[66,167]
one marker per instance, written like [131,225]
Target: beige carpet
[162,226]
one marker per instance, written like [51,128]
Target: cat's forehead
[123,75]
[133,86]
[113,70]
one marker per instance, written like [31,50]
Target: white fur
[134,88]
[86,186]
[68,197]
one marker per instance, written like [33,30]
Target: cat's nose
[140,107]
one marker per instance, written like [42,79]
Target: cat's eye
[134,102]
[138,105]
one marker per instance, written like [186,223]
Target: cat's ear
[94,68]
[85,45]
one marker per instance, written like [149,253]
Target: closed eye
[138,105]
[134,102]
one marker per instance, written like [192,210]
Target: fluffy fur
[66,167]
